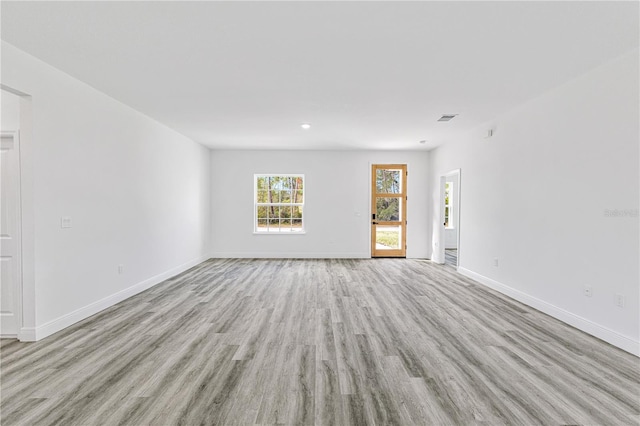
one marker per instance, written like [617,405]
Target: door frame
[13,137]
[27,331]
[440,241]
[402,252]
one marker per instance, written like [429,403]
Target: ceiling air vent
[447,117]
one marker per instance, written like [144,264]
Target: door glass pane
[388,209]
[388,237]
[388,181]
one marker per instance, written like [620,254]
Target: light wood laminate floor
[451,257]
[348,342]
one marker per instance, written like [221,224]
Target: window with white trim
[448,205]
[278,203]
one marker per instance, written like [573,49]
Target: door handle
[374,223]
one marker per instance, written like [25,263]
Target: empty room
[329,213]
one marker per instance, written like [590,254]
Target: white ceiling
[367,75]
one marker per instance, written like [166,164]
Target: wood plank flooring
[327,342]
[451,257]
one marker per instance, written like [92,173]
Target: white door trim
[8,139]
[439,249]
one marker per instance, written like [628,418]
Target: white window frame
[280,230]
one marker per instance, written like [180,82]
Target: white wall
[9,111]
[535,195]
[137,192]
[337,207]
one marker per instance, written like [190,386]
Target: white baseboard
[616,339]
[27,334]
[9,336]
[288,255]
[30,334]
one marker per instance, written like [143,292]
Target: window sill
[279,233]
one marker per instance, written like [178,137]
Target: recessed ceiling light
[423,141]
[305,126]
[447,117]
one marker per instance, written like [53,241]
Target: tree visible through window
[279,202]
[448,208]
[388,182]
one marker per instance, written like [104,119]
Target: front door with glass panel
[388,210]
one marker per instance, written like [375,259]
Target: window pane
[274,212]
[274,195]
[296,212]
[262,212]
[388,209]
[278,193]
[285,196]
[388,238]
[261,183]
[285,212]
[388,181]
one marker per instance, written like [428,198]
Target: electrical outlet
[619,301]
[65,222]
[588,291]
[495,262]
[121,269]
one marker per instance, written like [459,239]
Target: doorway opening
[450,215]
[388,210]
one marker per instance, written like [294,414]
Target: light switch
[65,222]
